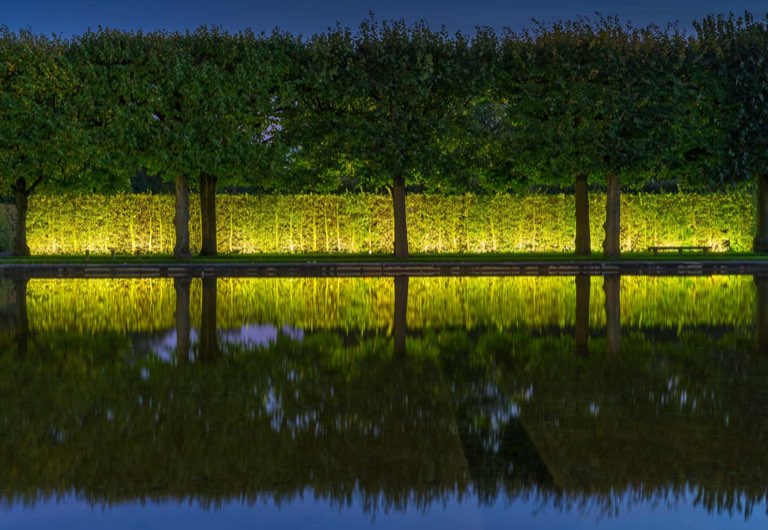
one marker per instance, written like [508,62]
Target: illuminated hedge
[361,223]
[366,304]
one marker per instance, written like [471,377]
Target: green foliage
[39,139]
[185,104]
[733,54]
[7,221]
[383,101]
[589,98]
[317,124]
[361,223]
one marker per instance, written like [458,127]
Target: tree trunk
[761,314]
[582,315]
[20,247]
[181,219]
[400,329]
[183,323]
[611,247]
[401,231]
[209,340]
[612,288]
[22,317]
[208,214]
[583,243]
[760,243]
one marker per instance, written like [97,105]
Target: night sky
[67,17]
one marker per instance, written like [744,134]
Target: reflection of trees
[400,321]
[14,319]
[761,313]
[582,315]
[612,289]
[22,319]
[663,417]
[209,333]
[267,422]
[508,413]
[183,324]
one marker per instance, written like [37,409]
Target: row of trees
[389,106]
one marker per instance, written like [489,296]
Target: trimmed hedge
[362,223]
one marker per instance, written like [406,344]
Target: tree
[119,79]
[588,100]
[316,120]
[38,126]
[639,138]
[734,51]
[196,108]
[232,92]
[407,84]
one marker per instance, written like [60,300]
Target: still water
[581,402]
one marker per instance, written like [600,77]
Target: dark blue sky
[67,17]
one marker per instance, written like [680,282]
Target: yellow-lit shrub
[362,223]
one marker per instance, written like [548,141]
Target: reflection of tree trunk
[20,247]
[183,324]
[22,319]
[612,288]
[760,243]
[209,342]
[582,315]
[583,243]
[181,219]
[611,245]
[761,313]
[401,314]
[208,214]
[401,230]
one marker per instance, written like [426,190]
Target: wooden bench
[657,249]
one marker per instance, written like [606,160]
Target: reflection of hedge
[363,223]
[360,304]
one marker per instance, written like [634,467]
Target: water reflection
[598,401]
[612,289]
[400,325]
[581,337]
[208,349]
[181,287]
[761,313]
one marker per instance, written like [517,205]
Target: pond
[559,402]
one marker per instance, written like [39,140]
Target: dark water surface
[611,402]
